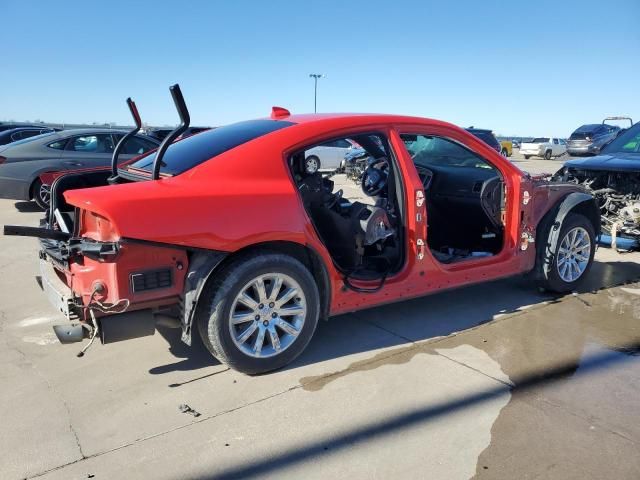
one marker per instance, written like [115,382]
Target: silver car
[589,139]
[328,155]
[22,162]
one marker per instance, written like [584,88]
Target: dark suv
[487,137]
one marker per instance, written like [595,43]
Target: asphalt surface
[491,381]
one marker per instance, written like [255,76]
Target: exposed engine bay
[363,238]
[618,196]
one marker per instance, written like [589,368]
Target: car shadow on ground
[415,320]
[27,207]
[192,357]
[443,314]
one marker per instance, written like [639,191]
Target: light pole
[315,77]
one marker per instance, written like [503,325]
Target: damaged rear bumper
[58,294]
[112,328]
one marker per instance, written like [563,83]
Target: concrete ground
[492,381]
[538,164]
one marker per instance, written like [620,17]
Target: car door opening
[361,223]
[464,196]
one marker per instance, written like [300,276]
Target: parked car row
[588,139]
[22,162]
[31,156]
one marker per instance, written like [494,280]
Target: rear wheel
[568,266]
[504,152]
[547,155]
[259,313]
[527,157]
[41,194]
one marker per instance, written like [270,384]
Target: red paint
[247,196]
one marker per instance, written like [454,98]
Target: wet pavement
[491,381]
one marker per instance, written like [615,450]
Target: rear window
[186,154]
[588,131]
[540,140]
[26,140]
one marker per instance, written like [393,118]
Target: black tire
[38,197]
[313,159]
[214,310]
[527,157]
[547,155]
[552,280]
[504,152]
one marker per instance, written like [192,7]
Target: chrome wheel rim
[574,254]
[267,315]
[312,165]
[45,193]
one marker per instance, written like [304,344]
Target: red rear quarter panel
[239,198]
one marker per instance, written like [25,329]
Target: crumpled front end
[617,194]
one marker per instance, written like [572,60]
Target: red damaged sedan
[231,234]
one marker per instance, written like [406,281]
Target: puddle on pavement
[397,356]
[584,402]
[552,354]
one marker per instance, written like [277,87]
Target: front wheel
[547,155]
[568,266]
[527,157]
[504,152]
[259,313]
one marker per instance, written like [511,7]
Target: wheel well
[305,255]
[589,210]
[586,208]
[32,188]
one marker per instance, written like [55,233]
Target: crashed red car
[228,232]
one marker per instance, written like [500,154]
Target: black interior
[464,207]
[364,240]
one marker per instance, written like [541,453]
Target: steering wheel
[374,178]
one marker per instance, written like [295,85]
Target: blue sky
[527,68]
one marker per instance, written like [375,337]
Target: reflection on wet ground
[582,426]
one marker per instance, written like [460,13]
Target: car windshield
[627,142]
[194,150]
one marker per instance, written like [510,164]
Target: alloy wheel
[267,315]
[45,193]
[574,254]
[311,165]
